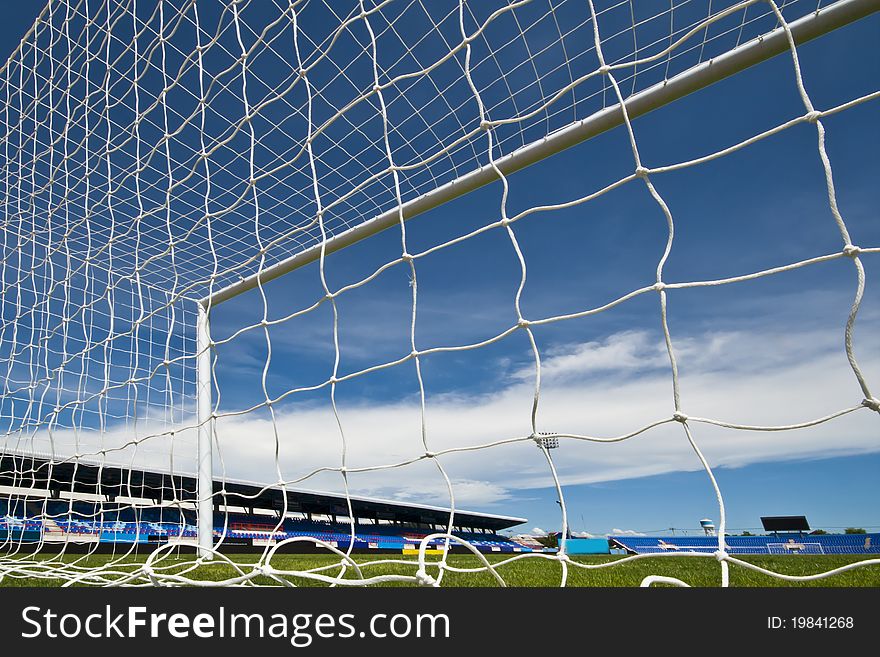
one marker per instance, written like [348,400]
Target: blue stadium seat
[774,544]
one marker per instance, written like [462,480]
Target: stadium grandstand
[78,506]
[769,544]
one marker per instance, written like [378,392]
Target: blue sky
[763,352]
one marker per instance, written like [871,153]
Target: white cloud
[602,388]
[537,531]
[621,352]
[741,377]
[625,532]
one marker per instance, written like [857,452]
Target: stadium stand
[84,521]
[770,544]
[32,513]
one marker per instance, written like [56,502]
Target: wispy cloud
[625,532]
[602,388]
[628,351]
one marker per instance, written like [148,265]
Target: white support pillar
[205,410]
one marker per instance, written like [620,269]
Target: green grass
[524,572]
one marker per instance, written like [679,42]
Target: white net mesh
[159,156]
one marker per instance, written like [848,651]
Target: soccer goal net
[795,548]
[219,326]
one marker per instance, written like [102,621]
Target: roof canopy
[77,477]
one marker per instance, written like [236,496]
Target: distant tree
[548,541]
[818,532]
[747,533]
[854,530]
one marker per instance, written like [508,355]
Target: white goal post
[799,547]
[165,161]
[708,72]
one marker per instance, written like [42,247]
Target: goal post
[759,49]
[205,442]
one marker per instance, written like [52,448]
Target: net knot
[485,125]
[424,579]
[604,69]
[523,323]
[813,116]
[642,172]
[430,455]
[678,416]
[265,569]
[720,555]
[407,257]
[851,250]
[873,403]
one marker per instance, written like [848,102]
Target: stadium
[40,519]
[113,526]
[367,293]
[122,513]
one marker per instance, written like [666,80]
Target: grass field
[525,572]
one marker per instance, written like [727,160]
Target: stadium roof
[79,477]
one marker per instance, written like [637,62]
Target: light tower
[545,442]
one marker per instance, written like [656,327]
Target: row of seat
[770,544]
[113,528]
